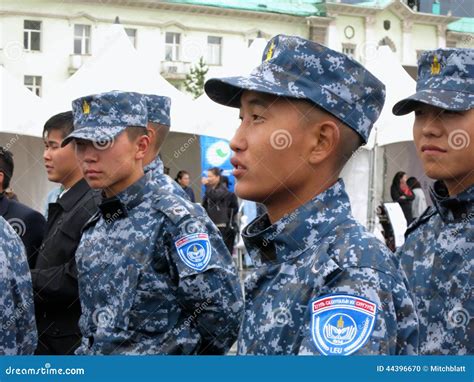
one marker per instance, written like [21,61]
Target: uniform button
[56,332]
[60,221]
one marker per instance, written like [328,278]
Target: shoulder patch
[341,324]
[194,250]
[172,208]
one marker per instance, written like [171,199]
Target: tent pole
[372,182]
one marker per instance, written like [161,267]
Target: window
[132,35]
[172,46]
[349,49]
[214,49]
[32,35]
[34,84]
[82,39]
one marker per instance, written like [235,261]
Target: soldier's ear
[142,145]
[326,137]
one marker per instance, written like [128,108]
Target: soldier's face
[60,162]
[444,140]
[271,150]
[114,166]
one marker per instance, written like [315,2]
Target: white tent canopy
[390,128]
[120,67]
[220,121]
[19,107]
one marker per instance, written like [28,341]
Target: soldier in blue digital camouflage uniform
[438,254]
[322,285]
[17,316]
[158,127]
[154,275]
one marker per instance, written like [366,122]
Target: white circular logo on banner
[218,153]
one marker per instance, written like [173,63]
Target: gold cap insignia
[435,66]
[86,109]
[270,51]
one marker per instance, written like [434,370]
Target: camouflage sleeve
[392,326]
[18,333]
[208,285]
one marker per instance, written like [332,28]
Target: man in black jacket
[29,224]
[55,275]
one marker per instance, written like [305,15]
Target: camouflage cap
[298,68]
[101,117]
[158,109]
[445,80]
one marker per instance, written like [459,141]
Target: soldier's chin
[248,191]
[95,183]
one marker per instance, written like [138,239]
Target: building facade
[43,42]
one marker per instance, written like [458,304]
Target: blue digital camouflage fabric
[158,109]
[102,117]
[155,278]
[445,80]
[298,68]
[438,258]
[18,335]
[164,182]
[323,285]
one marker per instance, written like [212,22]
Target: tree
[194,82]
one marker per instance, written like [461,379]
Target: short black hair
[6,166]
[63,122]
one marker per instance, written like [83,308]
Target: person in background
[183,179]
[221,205]
[29,224]
[438,253]
[402,194]
[419,204]
[54,276]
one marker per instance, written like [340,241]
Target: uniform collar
[72,196]
[454,208]
[156,166]
[297,231]
[117,206]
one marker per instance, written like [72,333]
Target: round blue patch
[341,324]
[194,250]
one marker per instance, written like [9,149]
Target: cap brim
[444,99]
[94,134]
[227,91]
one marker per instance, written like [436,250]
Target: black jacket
[221,205]
[405,202]
[29,224]
[55,274]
